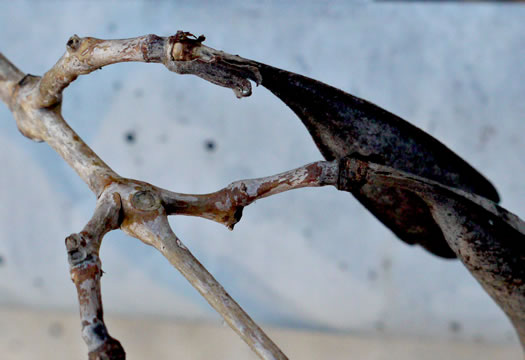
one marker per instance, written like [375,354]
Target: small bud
[145,200]
[73,43]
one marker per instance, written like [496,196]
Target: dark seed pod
[489,240]
[341,124]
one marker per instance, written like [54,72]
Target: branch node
[145,200]
[237,215]
[29,123]
[111,350]
[352,174]
[76,249]
[187,55]
[73,43]
[152,48]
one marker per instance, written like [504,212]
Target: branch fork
[138,208]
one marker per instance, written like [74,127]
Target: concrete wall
[308,259]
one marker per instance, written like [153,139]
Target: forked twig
[138,208]
[225,206]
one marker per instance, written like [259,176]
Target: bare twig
[36,106]
[225,206]
[181,53]
[86,270]
[47,124]
[145,219]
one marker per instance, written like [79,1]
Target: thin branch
[180,257]
[226,205]
[36,105]
[47,124]
[9,77]
[86,270]
[85,55]
[181,53]
[145,218]
[36,101]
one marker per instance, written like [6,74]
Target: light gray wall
[311,258]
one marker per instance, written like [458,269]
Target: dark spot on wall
[210,145]
[38,282]
[454,326]
[117,85]
[130,137]
[307,233]
[138,93]
[478,91]
[2,260]
[343,266]
[457,84]
[432,126]
[479,339]
[249,12]
[111,27]
[372,275]
[486,134]
[55,329]
[162,139]
[379,326]
[386,264]
[303,65]
[182,119]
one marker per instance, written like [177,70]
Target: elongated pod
[489,240]
[341,124]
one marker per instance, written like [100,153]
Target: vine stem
[138,208]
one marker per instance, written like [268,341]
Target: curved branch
[36,106]
[226,205]
[36,101]
[180,53]
[85,55]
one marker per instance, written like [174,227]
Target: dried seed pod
[489,240]
[342,124]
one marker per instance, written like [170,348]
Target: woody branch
[86,271]
[138,208]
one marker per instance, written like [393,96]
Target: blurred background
[312,266]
